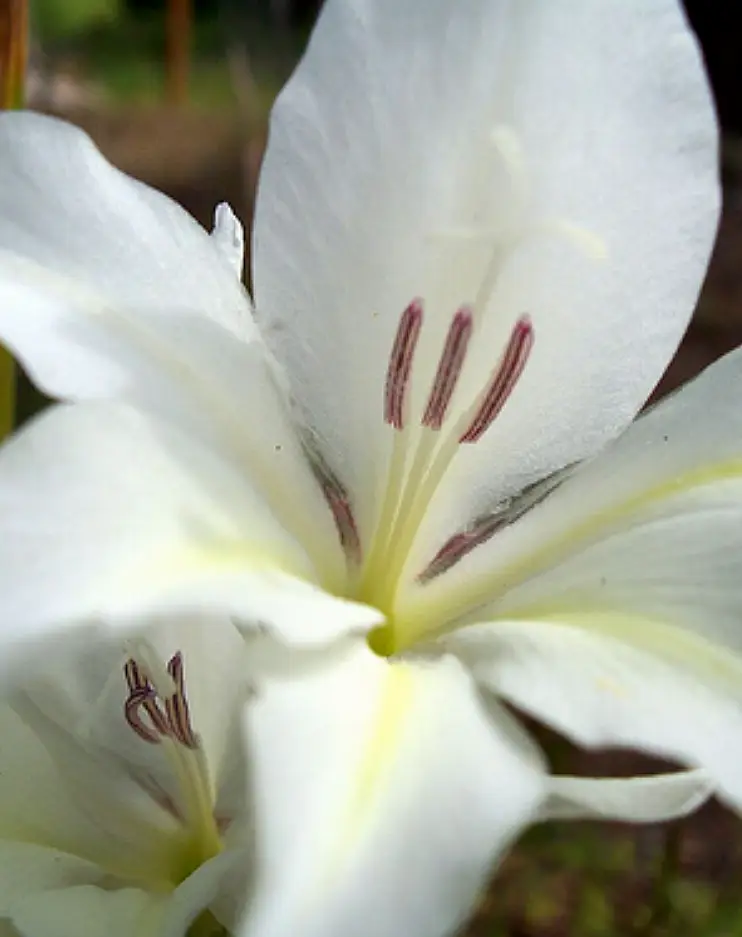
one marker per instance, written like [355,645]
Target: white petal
[27,868]
[107,515]
[651,799]
[619,611]
[87,911]
[601,691]
[395,159]
[650,529]
[110,290]
[98,812]
[229,237]
[67,211]
[37,808]
[385,792]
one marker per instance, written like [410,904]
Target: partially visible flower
[123,789]
[480,233]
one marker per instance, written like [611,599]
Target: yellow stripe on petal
[396,700]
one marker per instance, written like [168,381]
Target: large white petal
[106,515]
[110,290]
[601,691]
[395,158]
[651,528]
[384,794]
[615,605]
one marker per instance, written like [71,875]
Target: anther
[337,499]
[345,522]
[176,705]
[485,527]
[147,700]
[400,364]
[503,380]
[449,368]
[168,717]
[459,546]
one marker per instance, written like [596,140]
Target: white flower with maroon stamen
[480,233]
[123,791]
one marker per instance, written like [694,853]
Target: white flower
[123,789]
[480,232]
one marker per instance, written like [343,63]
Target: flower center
[426,443]
[156,708]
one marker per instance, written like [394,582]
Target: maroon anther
[345,522]
[400,364]
[168,717]
[449,368]
[503,380]
[459,546]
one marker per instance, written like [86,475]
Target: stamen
[503,380]
[142,695]
[460,545]
[337,499]
[345,523]
[485,527]
[400,364]
[177,705]
[173,721]
[146,699]
[449,368]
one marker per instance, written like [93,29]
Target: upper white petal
[408,127]
[384,794]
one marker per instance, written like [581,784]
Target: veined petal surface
[490,153]
[385,792]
